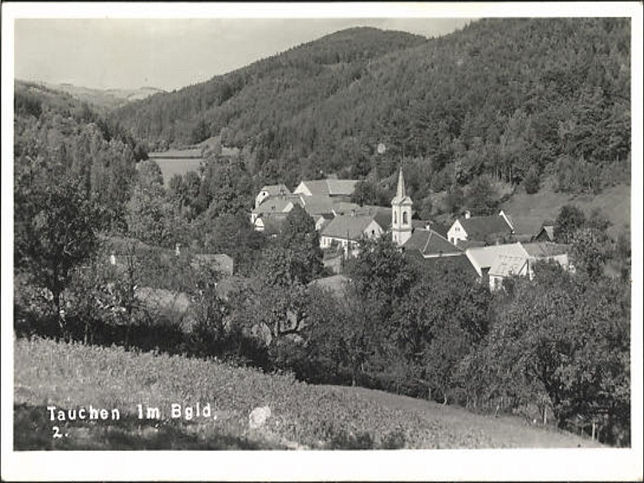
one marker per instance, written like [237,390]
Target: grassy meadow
[72,375]
[180,166]
[614,202]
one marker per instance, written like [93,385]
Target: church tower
[401,213]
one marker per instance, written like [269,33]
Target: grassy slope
[615,203]
[303,416]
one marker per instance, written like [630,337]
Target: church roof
[429,243]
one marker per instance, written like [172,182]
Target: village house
[347,230]
[430,244]
[498,262]
[479,228]
[546,232]
[274,190]
[272,206]
[482,258]
[321,199]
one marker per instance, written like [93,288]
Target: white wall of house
[258,224]
[373,230]
[302,190]
[456,232]
[261,197]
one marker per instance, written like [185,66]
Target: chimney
[467,214]
[112,259]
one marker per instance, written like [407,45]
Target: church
[401,225]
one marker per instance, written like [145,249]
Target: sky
[172,53]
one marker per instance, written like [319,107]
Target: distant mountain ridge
[497,97]
[104,99]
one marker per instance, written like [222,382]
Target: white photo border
[507,464]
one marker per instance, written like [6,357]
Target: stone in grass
[258,417]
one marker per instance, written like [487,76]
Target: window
[395,217]
[404,217]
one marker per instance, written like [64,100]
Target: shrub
[532,182]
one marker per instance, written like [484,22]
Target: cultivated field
[302,416]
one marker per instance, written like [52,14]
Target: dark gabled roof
[439,228]
[444,265]
[341,186]
[429,243]
[316,204]
[526,225]
[545,249]
[465,244]
[331,187]
[347,227]
[480,227]
[275,204]
[381,214]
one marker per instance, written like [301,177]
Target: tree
[233,235]
[380,270]
[481,196]
[368,192]
[591,248]
[569,220]
[531,181]
[437,324]
[55,231]
[296,255]
[149,215]
[149,174]
[454,199]
[563,343]
[426,208]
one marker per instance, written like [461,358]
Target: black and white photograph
[322,241]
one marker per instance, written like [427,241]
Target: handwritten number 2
[57,432]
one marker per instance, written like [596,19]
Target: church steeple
[400,190]
[401,213]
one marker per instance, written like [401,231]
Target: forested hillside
[56,136]
[516,99]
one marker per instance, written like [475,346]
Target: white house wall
[456,232]
[302,190]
